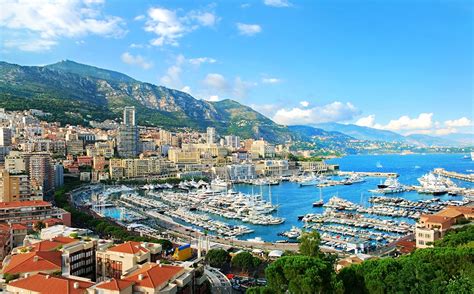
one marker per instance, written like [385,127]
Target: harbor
[362,216]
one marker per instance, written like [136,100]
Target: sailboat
[320,202]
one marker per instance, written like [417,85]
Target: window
[421,242]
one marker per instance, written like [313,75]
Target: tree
[39,225]
[309,243]
[300,274]
[217,257]
[245,261]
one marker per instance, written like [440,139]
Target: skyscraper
[41,171]
[211,135]
[129,115]
[5,137]
[127,139]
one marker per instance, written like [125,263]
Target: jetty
[369,174]
[454,175]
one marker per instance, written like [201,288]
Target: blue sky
[405,66]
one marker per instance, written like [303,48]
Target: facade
[241,172]
[115,261]
[180,156]
[211,135]
[273,168]
[127,139]
[30,212]
[78,259]
[433,227]
[262,149]
[41,171]
[5,137]
[58,175]
[14,187]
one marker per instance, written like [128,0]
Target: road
[219,282]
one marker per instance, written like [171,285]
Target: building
[211,135]
[152,278]
[46,283]
[177,155]
[58,175]
[14,187]
[129,115]
[261,149]
[5,137]
[115,261]
[16,162]
[434,226]
[241,172]
[30,212]
[273,168]
[31,263]
[127,139]
[232,141]
[78,259]
[41,171]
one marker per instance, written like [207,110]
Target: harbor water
[295,200]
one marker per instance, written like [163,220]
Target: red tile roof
[14,204]
[46,245]
[64,240]
[130,247]
[34,262]
[115,285]
[154,275]
[42,283]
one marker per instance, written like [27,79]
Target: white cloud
[271,80]
[139,17]
[45,22]
[248,29]
[461,122]
[304,103]
[172,78]
[186,89]
[217,84]
[335,111]
[169,27]
[213,98]
[201,60]
[216,81]
[368,121]
[277,3]
[136,60]
[265,109]
[423,124]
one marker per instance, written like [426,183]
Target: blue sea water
[295,200]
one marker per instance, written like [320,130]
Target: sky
[405,66]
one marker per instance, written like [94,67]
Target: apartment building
[115,261]
[30,212]
[14,187]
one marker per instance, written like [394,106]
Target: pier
[369,174]
[454,175]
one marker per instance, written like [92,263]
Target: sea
[294,200]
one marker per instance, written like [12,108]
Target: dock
[454,175]
[369,174]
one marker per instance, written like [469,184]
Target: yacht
[320,202]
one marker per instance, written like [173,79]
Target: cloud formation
[333,112]
[169,27]
[423,124]
[38,25]
[217,85]
[136,60]
[271,80]
[248,29]
[277,3]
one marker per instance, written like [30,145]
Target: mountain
[77,93]
[363,133]
[426,140]
[305,133]
[460,138]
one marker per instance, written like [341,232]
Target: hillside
[363,133]
[77,93]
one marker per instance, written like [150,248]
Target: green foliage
[259,290]
[300,274]
[74,235]
[246,261]
[424,271]
[457,237]
[10,277]
[217,257]
[309,243]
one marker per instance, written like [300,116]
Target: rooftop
[34,262]
[130,247]
[42,283]
[14,204]
[115,285]
[152,275]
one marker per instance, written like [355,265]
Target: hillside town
[42,244]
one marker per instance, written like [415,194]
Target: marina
[352,217]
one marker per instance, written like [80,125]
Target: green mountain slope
[77,93]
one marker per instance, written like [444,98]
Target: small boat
[300,217]
[320,202]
